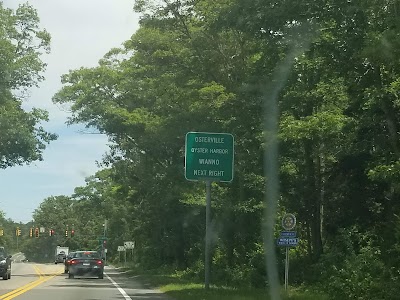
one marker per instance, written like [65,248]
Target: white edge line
[121,290]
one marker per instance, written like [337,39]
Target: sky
[82,32]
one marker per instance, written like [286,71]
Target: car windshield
[221,145]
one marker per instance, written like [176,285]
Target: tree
[23,139]
[203,66]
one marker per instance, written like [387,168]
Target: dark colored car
[86,263]
[5,264]
[67,261]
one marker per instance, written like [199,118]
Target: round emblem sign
[288,221]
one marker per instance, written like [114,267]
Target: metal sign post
[208,236]
[287,268]
[287,239]
[130,245]
[209,157]
[121,249]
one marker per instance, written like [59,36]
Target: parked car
[67,261]
[5,264]
[86,263]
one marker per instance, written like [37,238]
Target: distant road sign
[292,242]
[288,221]
[288,234]
[121,248]
[209,156]
[129,245]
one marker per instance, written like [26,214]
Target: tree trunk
[391,122]
[313,201]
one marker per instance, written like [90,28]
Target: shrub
[353,269]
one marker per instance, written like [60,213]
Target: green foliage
[180,287]
[356,269]
[8,240]
[22,138]
[203,66]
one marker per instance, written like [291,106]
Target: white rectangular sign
[121,248]
[129,245]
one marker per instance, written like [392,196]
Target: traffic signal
[72,233]
[51,232]
[31,232]
[1,231]
[66,233]
[18,232]
[37,232]
[104,244]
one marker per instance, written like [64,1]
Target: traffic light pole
[17,234]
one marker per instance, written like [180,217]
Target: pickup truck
[61,254]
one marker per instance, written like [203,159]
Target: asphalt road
[31,281]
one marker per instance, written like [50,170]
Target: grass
[183,289]
[195,291]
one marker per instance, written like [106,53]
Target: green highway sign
[209,156]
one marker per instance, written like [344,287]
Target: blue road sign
[287,242]
[288,234]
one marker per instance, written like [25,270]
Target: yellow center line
[37,270]
[42,278]
[23,287]
[36,283]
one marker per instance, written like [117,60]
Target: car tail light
[74,262]
[99,262]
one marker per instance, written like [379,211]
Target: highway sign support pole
[209,157]
[207,261]
[287,269]
[288,239]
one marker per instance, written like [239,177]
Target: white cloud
[82,33]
